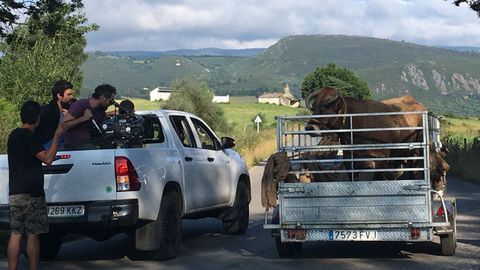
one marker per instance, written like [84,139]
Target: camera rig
[124,129]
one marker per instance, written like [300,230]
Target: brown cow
[329,101]
[438,165]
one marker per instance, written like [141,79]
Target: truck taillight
[125,175]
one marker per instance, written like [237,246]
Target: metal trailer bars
[302,146]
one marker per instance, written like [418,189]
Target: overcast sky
[236,24]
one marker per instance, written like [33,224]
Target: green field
[244,113]
[464,127]
[241,111]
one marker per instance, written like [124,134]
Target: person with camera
[84,114]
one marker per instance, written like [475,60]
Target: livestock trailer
[359,190]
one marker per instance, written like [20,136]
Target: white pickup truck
[158,168]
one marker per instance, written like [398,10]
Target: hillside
[447,81]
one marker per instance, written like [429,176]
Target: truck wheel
[287,249]
[50,245]
[449,241]
[169,223]
[236,222]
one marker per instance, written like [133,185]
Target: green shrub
[195,97]
[344,80]
[463,156]
[9,119]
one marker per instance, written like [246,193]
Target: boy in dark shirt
[52,115]
[28,209]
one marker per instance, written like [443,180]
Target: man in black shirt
[51,116]
[28,209]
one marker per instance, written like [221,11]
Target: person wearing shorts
[28,209]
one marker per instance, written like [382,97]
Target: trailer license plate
[66,211]
[352,235]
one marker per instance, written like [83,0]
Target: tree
[47,46]
[8,121]
[10,11]
[474,4]
[344,80]
[195,97]
[8,15]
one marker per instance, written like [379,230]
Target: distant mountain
[462,48]
[187,52]
[445,80]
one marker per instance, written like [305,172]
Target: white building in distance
[286,98]
[221,99]
[160,93]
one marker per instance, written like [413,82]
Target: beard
[65,105]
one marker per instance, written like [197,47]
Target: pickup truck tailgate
[80,176]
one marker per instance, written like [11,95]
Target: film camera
[126,128]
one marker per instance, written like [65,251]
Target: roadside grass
[255,147]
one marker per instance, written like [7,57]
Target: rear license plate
[66,210]
[352,235]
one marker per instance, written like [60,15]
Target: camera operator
[78,118]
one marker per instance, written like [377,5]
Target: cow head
[327,100]
[438,168]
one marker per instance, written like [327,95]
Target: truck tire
[50,245]
[236,222]
[169,224]
[287,249]
[449,241]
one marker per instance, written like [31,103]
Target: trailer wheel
[50,245]
[449,241]
[287,249]
[236,222]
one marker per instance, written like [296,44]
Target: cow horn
[330,101]
[310,98]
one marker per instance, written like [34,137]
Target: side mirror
[228,142]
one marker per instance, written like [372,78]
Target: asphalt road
[205,246]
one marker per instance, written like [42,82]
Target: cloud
[169,24]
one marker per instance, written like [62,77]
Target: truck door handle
[57,169]
[210,159]
[188,158]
